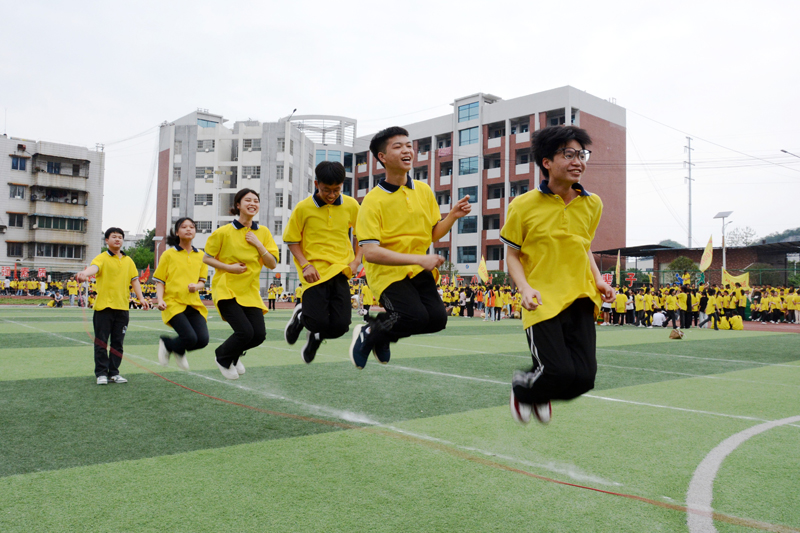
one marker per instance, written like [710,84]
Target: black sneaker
[357,355]
[309,351]
[382,352]
[295,326]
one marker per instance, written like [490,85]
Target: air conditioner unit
[206,231]
[35,226]
[206,150]
[249,176]
[209,180]
[249,149]
[205,203]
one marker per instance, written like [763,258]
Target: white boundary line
[699,513]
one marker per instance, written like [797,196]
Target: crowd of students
[684,306]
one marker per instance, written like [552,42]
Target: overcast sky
[725,73]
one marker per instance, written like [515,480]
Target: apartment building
[202,164]
[481,149]
[50,218]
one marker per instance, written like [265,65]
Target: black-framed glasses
[570,153]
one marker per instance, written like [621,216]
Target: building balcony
[444,208]
[58,236]
[522,137]
[492,265]
[494,173]
[494,143]
[445,179]
[444,152]
[56,209]
[362,192]
[524,168]
[422,156]
[494,203]
[491,234]
[446,238]
[361,169]
[59,181]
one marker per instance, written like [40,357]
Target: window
[178,147]
[496,192]
[71,224]
[76,170]
[348,162]
[176,199]
[290,174]
[203,123]
[519,188]
[281,144]
[444,143]
[18,163]
[468,112]
[14,249]
[203,199]
[310,160]
[467,254]
[17,192]
[557,121]
[468,225]
[204,172]
[335,155]
[253,172]
[347,187]
[203,225]
[252,145]
[278,227]
[320,157]
[291,146]
[279,172]
[421,174]
[16,220]
[53,167]
[206,145]
[523,157]
[176,173]
[67,251]
[468,136]
[363,184]
[289,205]
[278,199]
[444,252]
[491,222]
[443,198]
[494,253]
[472,191]
[468,165]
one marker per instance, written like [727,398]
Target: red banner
[23,273]
[6,271]
[630,278]
[42,272]
[608,278]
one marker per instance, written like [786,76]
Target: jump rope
[456,452]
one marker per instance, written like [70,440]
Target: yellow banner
[482,271]
[618,268]
[729,279]
[708,255]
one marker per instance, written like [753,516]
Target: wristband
[265,253]
[303,268]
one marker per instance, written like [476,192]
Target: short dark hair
[172,238]
[109,231]
[546,142]
[330,173]
[378,143]
[238,199]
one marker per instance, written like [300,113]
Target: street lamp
[723,215]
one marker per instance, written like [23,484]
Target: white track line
[738,361]
[699,516]
[709,376]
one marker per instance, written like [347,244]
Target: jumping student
[238,251]
[399,219]
[180,276]
[549,233]
[115,272]
[318,235]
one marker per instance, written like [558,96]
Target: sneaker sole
[378,359]
[549,414]
[163,354]
[356,334]
[181,362]
[515,413]
[297,310]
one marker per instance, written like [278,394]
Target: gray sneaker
[102,380]
[117,379]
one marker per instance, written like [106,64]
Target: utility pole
[689,166]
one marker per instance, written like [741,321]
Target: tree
[764,274]
[142,257]
[741,237]
[683,264]
[778,237]
[148,242]
[671,243]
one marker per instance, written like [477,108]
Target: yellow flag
[728,279]
[708,255]
[482,271]
[618,268]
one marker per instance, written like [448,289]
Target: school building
[482,149]
[50,216]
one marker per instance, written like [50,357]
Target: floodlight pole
[689,166]
[723,242]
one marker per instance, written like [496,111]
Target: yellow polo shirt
[400,219]
[228,244]
[682,298]
[554,241]
[323,233]
[620,302]
[366,295]
[177,268]
[72,287]
[114,277]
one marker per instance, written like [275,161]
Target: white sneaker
[228,373]
[102,380]
[182,362]
[521,412]
[240,367]
[117,379]
[163,353]
[542,412]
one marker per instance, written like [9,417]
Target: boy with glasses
[549,233]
